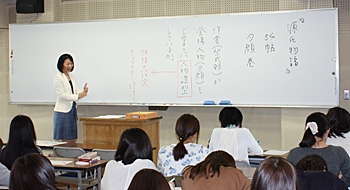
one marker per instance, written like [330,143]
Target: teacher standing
[65,117]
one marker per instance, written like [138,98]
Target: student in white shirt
[134,153]
[232,137]
[174,158]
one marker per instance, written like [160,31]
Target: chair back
[68,152]
[105,154]
[242,163]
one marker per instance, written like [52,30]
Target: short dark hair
[339,120]
[322,126]
[186,126]
[230,116]
[275,173]
[22,133]
[61,60]
[134,144]
[211,165]
[32,171]
[149,179]
[312,162]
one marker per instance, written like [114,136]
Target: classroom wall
[277,128]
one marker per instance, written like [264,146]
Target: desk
[89,147]
[255,160]
[107,131]
[73,167]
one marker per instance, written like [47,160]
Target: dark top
[71,86]
[318,180]
[337,159]
[24,151]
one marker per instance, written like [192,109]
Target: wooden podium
[108,131]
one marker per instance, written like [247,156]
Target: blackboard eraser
[225,102]
[209,102]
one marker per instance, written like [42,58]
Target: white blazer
[65,97]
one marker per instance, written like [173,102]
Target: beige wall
[277,128]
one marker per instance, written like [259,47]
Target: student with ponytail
[172,159]
[314,142]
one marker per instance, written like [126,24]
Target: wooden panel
[118,130]
[98,133]
[108,131]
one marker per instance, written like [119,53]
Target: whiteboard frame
[336,75]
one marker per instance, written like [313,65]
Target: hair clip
[313,127]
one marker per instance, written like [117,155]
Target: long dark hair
[322,126]
[1,144]
[134,144]
[32,172]
[339,120]
[312,162]
[22,135]
[186,126]
[275,173]
[211,165]
[149,179]
[230,116]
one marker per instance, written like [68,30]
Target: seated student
[134,152]
[4,172]
[149,179]
[21,140]
[217,171]
[314,142]
[313,175]
[172,159]
[32,172]
[275,173]
[232,137]
[339,135]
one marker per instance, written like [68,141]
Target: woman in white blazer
[65,117]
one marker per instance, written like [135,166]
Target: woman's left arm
[76,89]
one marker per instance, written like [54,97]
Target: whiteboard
[287,58]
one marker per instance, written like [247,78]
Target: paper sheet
[276,152]
[111,116]
[59,162]
[48,143]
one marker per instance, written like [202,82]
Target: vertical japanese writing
[269,47]
[250,49]
[200,56]
[184,79]
[169,45]
[184,40]
[217,55]
[132,85]
[293,49]
[144,72]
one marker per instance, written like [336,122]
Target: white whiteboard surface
[254,59]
